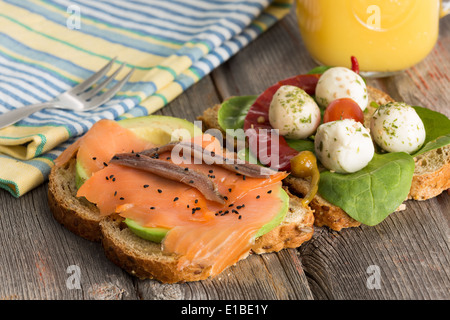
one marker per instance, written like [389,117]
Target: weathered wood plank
[39,256]
[410,248]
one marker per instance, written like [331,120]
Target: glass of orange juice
[386,36]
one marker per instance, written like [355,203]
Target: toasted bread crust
[77,215]
[429,184]
[142,258]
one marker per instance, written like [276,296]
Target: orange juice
[384,35]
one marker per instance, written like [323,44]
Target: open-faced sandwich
[169,201]
[373,152]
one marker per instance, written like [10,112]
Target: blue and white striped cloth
[48,46]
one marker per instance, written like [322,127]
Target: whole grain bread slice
[431,175]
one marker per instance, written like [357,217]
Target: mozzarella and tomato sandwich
[371,153]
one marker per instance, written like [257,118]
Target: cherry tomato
[344,108]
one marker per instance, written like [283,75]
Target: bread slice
[76,214]
[431,175]
[144,258]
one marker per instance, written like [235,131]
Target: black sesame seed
[152,208]
[188,206]
[270,191]
[168,158]
[113,179]
[159,190]
[257,197]
[122,198]
[105,164]
[186,169]
[230,205]
[175,199]
[235,211]
[107,178]
[240,217]
[146,185]
[138,155]
[196,201]
[191,181]
[94,158]
[211,171]
[225,197]
[115,193]
[229,190]
[243,177]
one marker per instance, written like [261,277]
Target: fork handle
[15,115]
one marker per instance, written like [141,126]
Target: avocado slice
[158,130]
[158,234]
[152,234]
[161,130]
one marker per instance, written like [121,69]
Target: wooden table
[410,248]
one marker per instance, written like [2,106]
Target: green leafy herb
[319,70]
[233,112]
[301,145]
[437,127]
[374,192]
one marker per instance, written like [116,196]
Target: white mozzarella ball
[340,82]
[396,127]
[344,146]
[294,113]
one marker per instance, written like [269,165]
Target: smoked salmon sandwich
[169,202]
[373,153]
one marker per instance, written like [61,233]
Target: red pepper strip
[355,64]
[258,118]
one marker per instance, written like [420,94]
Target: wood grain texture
[410,248]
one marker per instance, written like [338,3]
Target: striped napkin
[48,46]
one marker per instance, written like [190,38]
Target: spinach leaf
[319,70]
[374,192]
[437,127]
[233,111]
[301,145]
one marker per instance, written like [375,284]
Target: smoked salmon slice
[202,232]
[100,144]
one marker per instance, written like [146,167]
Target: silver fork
[79,98]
